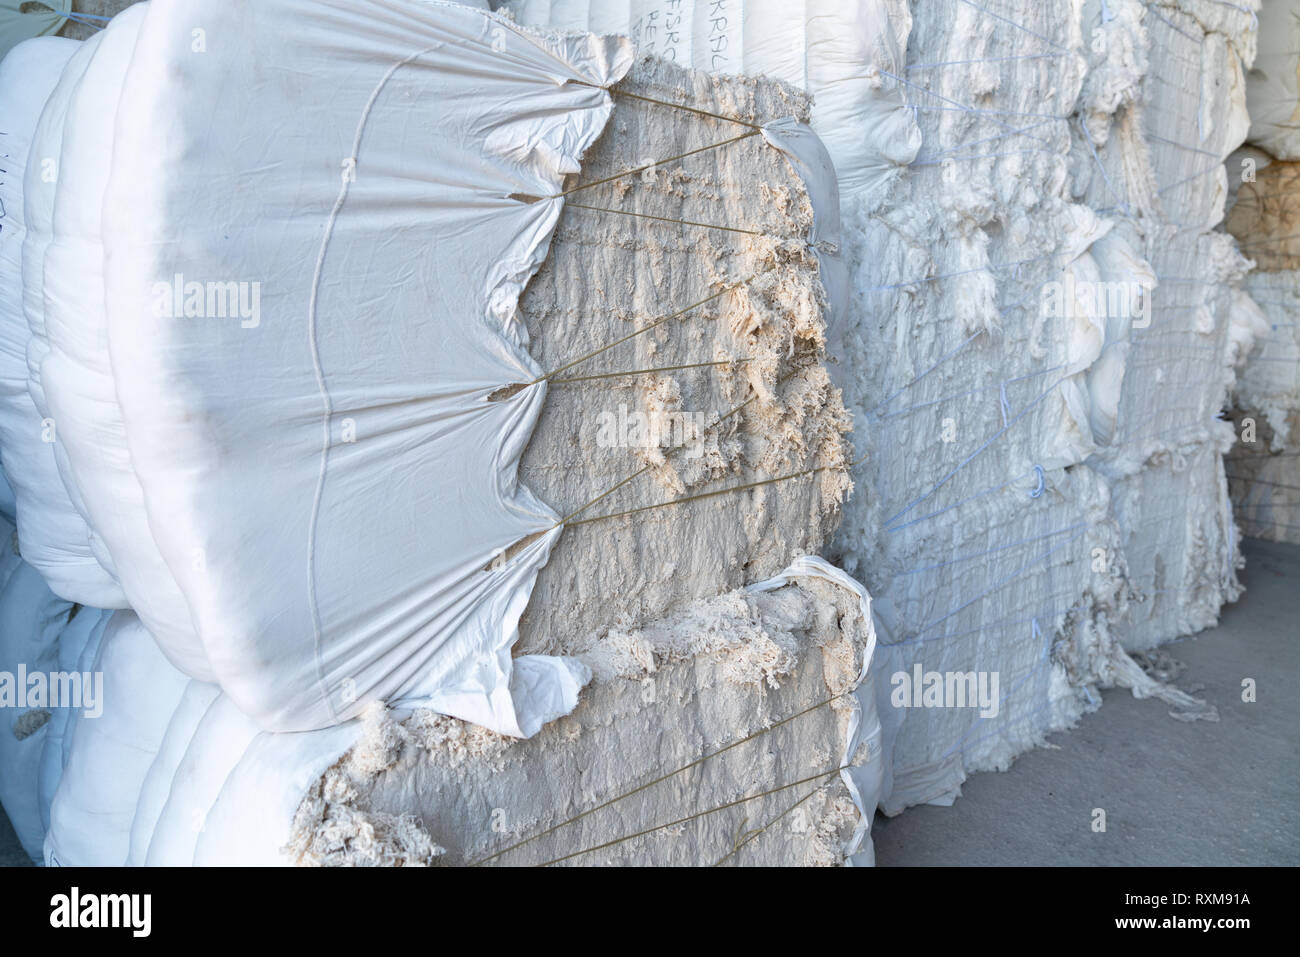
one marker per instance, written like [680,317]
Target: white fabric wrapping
[75,371]
[219,741]
[31,618]
[864,778]
[834,49]
[90,819]
[323,473]
[77,647]
[251,821]
[55,538]
[22,21]
[1273,90]
[194,704]
[53,534]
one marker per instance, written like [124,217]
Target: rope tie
[670,451]
[651,165]
[667,219]
[632,372]
[690,817]
[970,458]
[714,494]
[644,329]
[663,777]
[682,106]
[758,832]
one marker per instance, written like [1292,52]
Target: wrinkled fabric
[311,285]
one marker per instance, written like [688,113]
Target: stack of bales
[1042,330]
[1264,467]
[1016,295]
[404,577]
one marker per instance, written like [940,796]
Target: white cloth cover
[23,21]
[865,779]
[219,741]
[322,471]
[75,370]
[54,536]
[251,821]
[78,645]
[811,161]
[194,704]
[56,539]
[1273,87]
[231,793]
[90,819]
[31,617]
[834,49]
[221,793]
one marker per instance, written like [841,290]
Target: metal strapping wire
[690,817]
[671,451]
[758,832]
[1242,478]
[1019,26]
[715,493]
[644,329]
[666,219]
[646,166]
[689,109]
[663,777]
[631,372]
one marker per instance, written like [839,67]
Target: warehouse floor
[1173,793]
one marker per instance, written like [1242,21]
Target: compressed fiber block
[1070,153]
[675,449]
[716,731]
[1273,88]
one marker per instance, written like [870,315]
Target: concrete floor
[1174,793]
